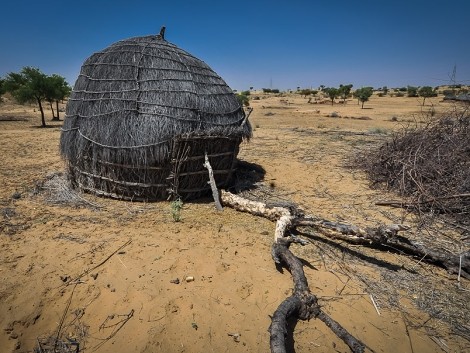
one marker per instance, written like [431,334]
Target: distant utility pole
[453,80]
[454,74]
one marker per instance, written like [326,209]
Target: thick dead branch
[280,214]
[253,207]
[387,237]
[211,182]
[302,304]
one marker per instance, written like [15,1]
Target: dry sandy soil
[103,271]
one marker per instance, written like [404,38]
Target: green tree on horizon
[363,94]
[344,91]
[307,91]
[28,86]
[31,85]
[426,92]
[2,86]
[57,89]
[412,91]
[332,93]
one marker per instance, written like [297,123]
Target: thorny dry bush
[427,164]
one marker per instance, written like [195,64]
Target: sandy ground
[105,275]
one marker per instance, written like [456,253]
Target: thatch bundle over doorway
[141,117]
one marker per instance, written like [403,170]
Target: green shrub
[244,99]
[176,207]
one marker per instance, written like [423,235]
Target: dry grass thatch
[132,114]
[428,165]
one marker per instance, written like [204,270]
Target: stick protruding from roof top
[161,35]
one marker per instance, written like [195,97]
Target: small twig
[157,319]
[375,305]
[104,261]
[441,345]
[407,332]
[341,291]
[64,315]
[121,262]
[395,203]
[117,327]
[416,264]
[246,117]
[460,270]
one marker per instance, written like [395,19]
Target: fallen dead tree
[303,304]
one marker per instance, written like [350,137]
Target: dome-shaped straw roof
[141,115]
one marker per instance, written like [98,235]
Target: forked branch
[303,304]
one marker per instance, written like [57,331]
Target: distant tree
[30,85]
[57,89]
[270,90]
[321,87]
[332,93]
[306,92]
[2,89]
[385,90]
[344,91]
[363,94]
[426,92]
[412,91]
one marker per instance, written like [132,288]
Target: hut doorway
[188,177]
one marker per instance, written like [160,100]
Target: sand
[106,274]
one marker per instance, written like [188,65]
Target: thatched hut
[141,117]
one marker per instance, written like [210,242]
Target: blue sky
[271,44]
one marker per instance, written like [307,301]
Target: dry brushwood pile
[428,165]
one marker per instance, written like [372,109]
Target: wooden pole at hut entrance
[215,192]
